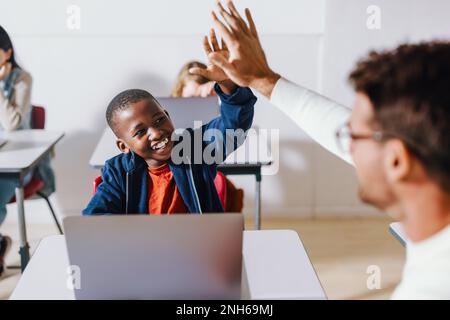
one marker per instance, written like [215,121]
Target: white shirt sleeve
[318,116]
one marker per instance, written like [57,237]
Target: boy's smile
[146,129]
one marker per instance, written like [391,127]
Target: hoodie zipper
[126,193]
[191,178]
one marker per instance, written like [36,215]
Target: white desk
[276,267]
[246,160]
[398,232]
[22,152]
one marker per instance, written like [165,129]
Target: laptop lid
[185,111]
[156,257]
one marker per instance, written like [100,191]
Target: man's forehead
[362,113]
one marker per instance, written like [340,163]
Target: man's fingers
[231,21]
[226,34]
[233,9]
[206,45]
[224,13]
[236,14]
[212,36]
[251,22]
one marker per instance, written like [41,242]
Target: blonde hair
[184,76]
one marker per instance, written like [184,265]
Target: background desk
[246,160]
[276,266]
[19,156]
[396,229]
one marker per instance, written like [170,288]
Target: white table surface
[254,150]
[24,147]
[276,265]
[398,231]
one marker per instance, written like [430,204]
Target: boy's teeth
[161,144]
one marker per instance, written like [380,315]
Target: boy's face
[146,129]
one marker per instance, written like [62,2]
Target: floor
[341,251]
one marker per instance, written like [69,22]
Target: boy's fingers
[206,45]
[220,61]
[199,71]
[215,44]
[224,45]
[251,22]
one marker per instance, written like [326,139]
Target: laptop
[182,256]
[185,111]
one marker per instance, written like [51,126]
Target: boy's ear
[167,113]
[122,146]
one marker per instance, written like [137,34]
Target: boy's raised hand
[246,64]
[212,72]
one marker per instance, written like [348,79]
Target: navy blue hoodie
[124,188]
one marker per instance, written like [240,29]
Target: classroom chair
[34,187]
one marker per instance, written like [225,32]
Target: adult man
[397,136]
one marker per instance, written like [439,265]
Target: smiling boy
[144,178]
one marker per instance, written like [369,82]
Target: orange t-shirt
[163,194]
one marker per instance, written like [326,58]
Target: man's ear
[122,146]
[398,161]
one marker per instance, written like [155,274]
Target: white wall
[123,44]
[143,44]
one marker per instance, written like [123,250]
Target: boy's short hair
[409,88]
[122,101]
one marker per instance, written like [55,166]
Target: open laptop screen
[184,256]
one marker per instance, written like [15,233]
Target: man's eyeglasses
[345,136]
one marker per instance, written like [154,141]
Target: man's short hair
[409,88]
